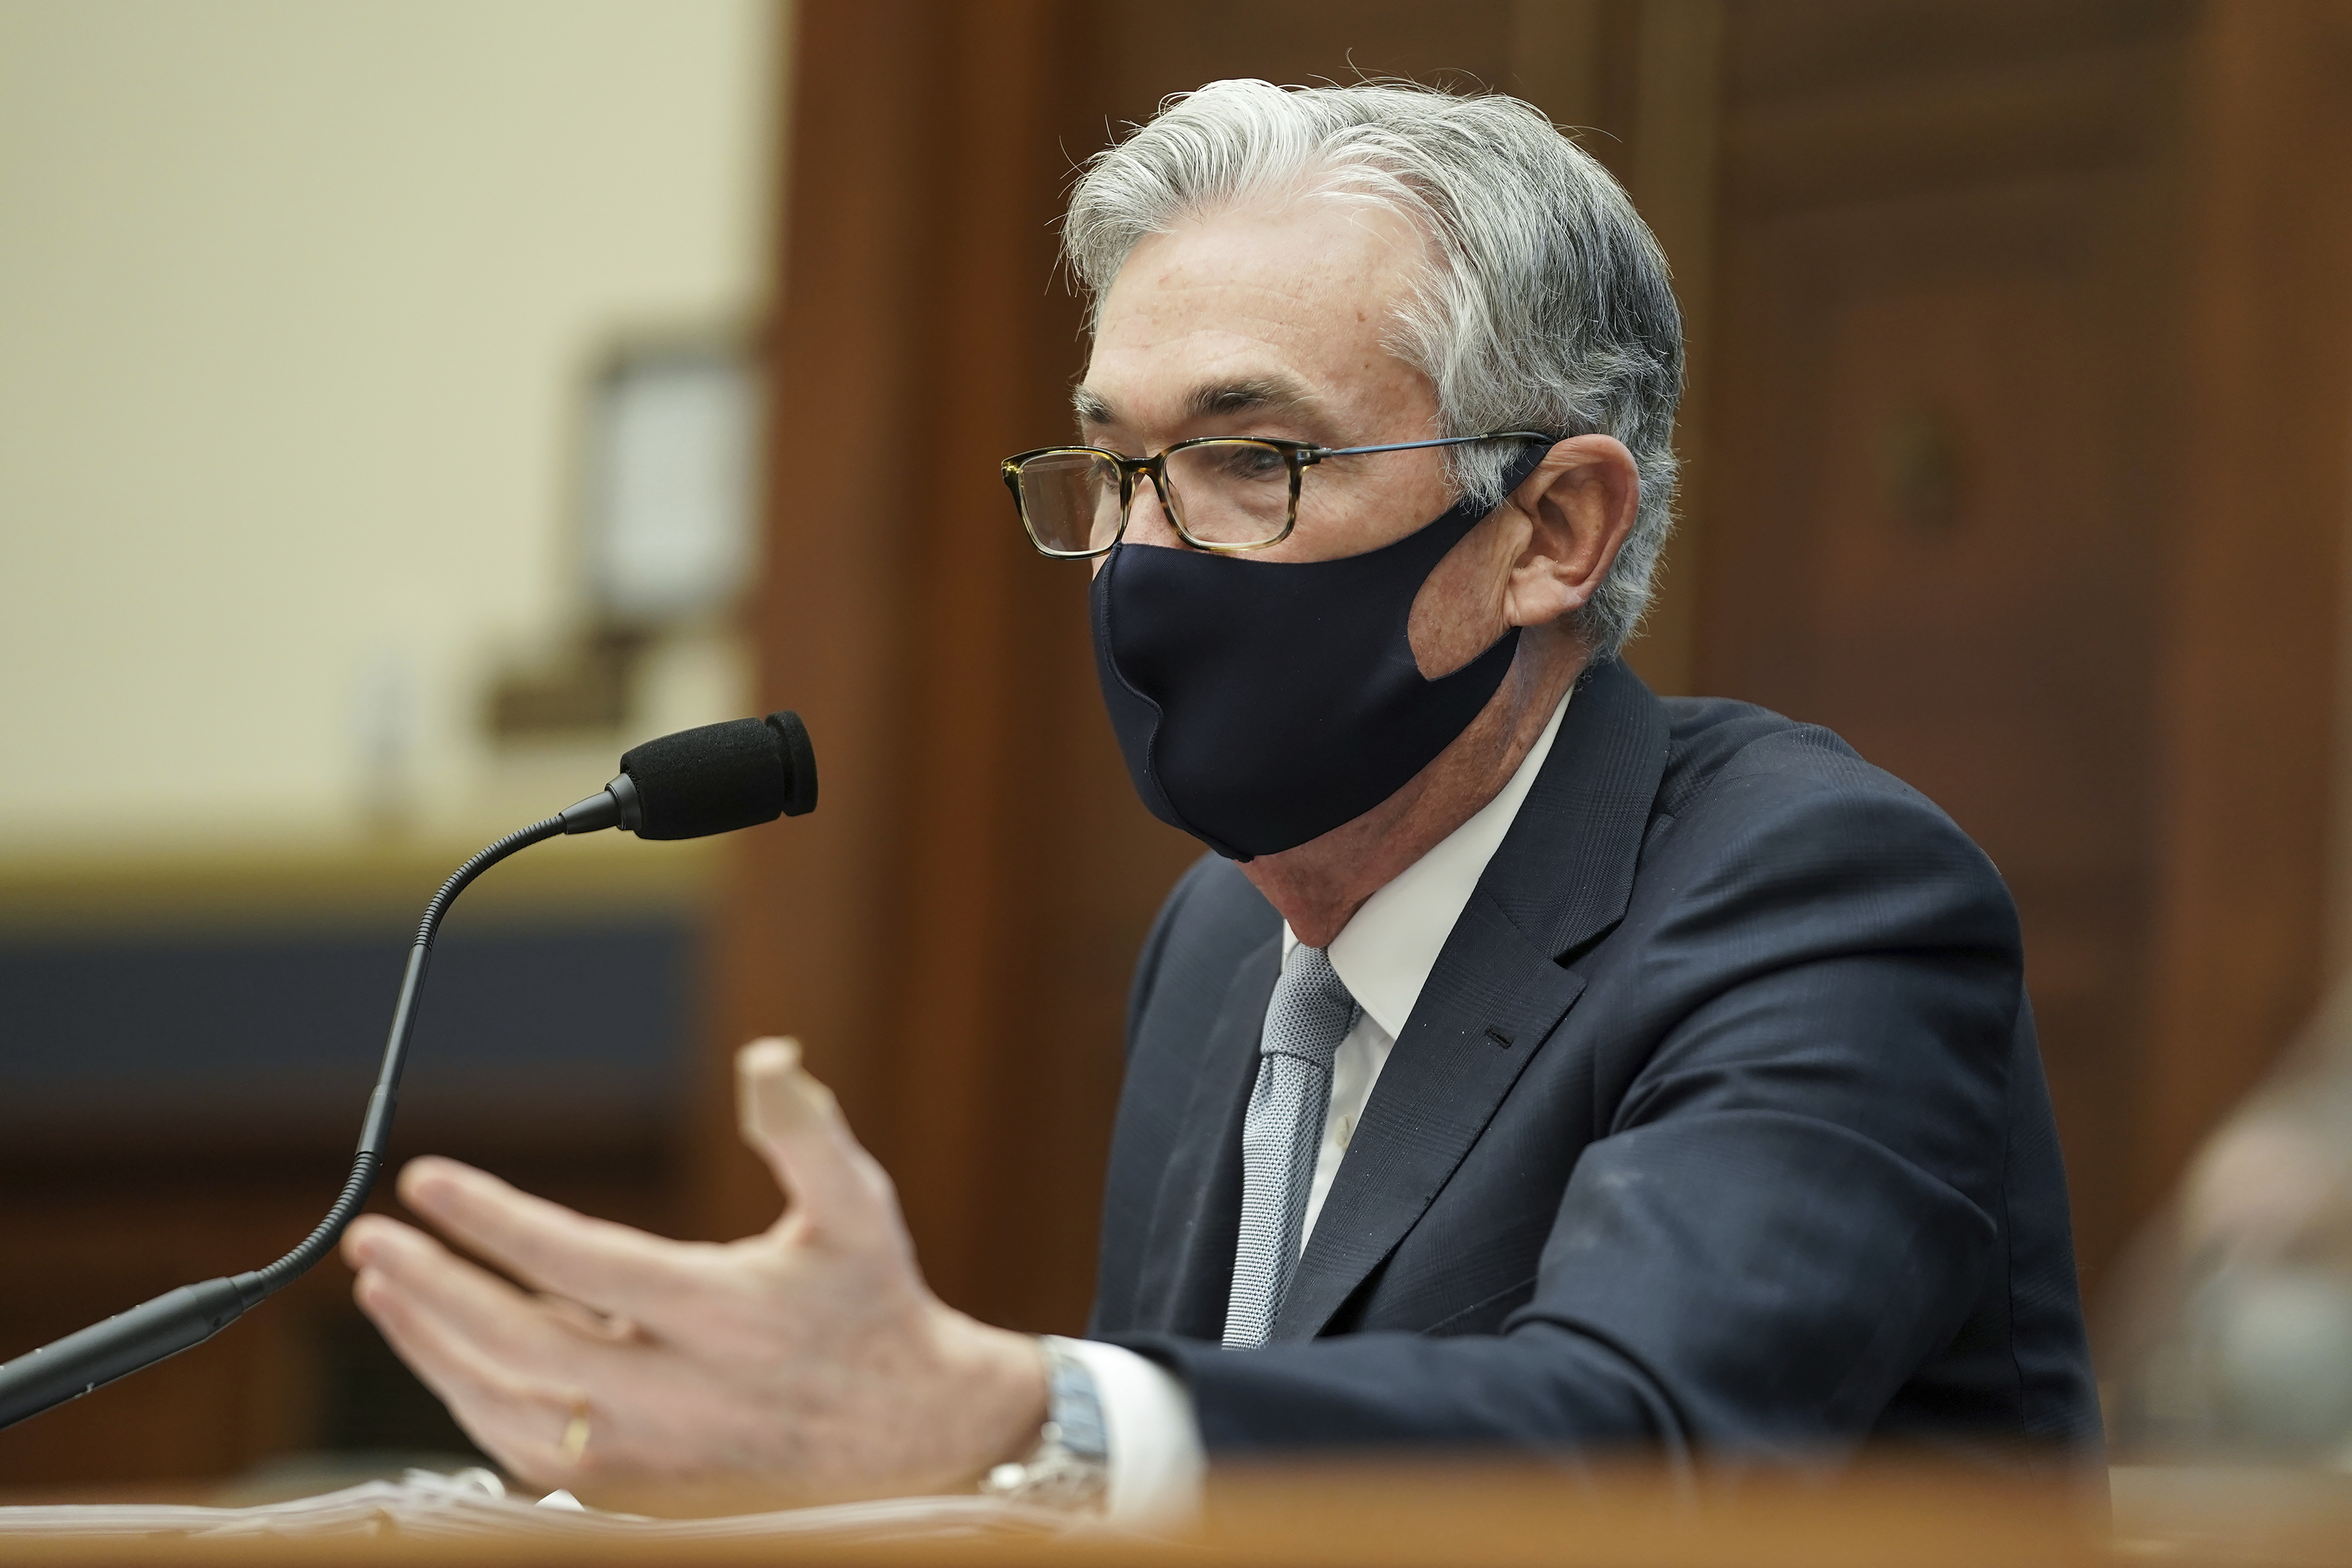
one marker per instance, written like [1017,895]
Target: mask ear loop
[1514,472]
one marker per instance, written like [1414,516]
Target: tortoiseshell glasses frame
[1057,537]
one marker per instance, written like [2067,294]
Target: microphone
[715,779]
[695,783]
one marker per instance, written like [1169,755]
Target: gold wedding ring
[575,1433]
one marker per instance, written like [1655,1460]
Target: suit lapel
[1490,1000]
[1561,880]
[1196,1222]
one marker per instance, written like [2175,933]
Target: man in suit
[1535,1064]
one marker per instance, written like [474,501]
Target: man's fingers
[518,1420]
[609,1267]
[511,1328]
[794,1123]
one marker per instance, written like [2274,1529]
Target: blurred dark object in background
[251,1038]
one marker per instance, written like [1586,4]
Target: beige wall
[296,301]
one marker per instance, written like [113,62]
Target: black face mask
[1263,703]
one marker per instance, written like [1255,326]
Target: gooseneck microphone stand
[697,782]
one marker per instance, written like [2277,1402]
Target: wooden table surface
[1503,1516]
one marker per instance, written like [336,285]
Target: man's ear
[1580,505]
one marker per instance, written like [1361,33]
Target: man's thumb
[773,1098]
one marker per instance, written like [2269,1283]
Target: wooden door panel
[1925,538]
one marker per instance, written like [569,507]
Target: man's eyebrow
[1252,394]
[1212,400]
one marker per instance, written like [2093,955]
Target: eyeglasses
[1223,492]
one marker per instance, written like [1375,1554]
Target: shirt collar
[1385,952]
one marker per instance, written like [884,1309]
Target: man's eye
[1250,462]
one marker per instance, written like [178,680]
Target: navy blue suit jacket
[1718,1127]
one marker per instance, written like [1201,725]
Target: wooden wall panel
[2031,386]
[2261,482]
[1934,527]
[1928,539]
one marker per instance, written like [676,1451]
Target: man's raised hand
[807,1363]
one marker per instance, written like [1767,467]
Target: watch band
[1070,1466]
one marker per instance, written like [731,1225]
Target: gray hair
[1546,306]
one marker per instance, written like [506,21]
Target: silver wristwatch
[1070,1466]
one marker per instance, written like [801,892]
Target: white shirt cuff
[1156,1462]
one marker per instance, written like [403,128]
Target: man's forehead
[1253,271]
[1264,311]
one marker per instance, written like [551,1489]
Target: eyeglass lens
[1233,493]
[1070,501]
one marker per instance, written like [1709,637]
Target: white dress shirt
[1383,955]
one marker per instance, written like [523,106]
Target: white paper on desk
[422,1504]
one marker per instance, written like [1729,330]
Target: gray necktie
[1310,1015]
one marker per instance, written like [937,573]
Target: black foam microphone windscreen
[721,777]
